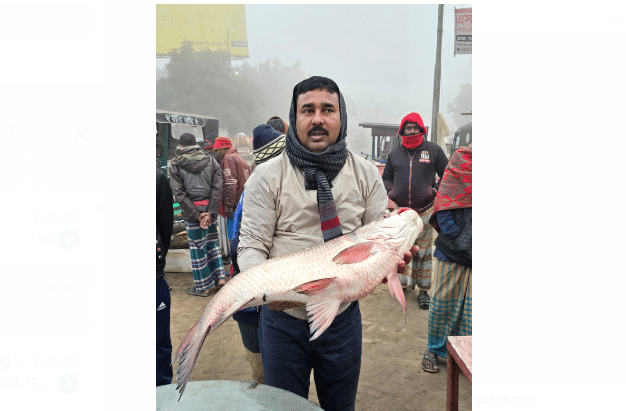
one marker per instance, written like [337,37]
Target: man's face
[411,128]
[221,152]
[318,120]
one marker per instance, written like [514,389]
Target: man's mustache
[314,129]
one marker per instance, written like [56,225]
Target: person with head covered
[268,143]
[312,192]
[410,178]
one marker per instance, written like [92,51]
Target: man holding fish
[313,192]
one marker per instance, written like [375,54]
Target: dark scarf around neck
[320,169]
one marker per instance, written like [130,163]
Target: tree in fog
[461,104]
[276,83]
[203,82]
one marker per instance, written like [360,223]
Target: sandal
[424,300]
[192,291]
[429,362]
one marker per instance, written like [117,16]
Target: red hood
[414,118]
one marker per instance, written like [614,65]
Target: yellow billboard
[217,27]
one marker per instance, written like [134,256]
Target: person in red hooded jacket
[410,178]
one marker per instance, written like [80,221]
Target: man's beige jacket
[281,217]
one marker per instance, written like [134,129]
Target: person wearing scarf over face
[410,180]
[451,309]
[314,191]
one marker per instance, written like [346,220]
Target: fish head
[398,230]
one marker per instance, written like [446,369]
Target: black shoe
[423,300]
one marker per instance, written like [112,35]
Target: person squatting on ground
[314,191]
[451,306]
[236,172]
[267,143]
[196,181]
[164,227]
[410,181]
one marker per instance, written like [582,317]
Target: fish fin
[188,356]
[395,288]
[314,287]
[322,311]
[186,341]
[356,253]
[190,347]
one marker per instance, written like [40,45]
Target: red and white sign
[462,31]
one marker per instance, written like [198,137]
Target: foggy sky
[382,57]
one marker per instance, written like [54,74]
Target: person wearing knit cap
[410,178]
[313,191]
[236,172]
[268,143]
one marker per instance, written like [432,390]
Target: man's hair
[277,124]
[315,83]
[187,139]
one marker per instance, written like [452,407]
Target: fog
[382,57]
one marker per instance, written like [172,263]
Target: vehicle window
[178,129]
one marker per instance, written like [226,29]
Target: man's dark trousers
[163,342]
[288,356]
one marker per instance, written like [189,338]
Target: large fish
[322,277]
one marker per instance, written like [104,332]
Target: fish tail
[186,341]
[188,353]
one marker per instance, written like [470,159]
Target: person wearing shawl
[267,143]
[312,192]
[451,305]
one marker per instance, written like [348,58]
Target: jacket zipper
[410,173]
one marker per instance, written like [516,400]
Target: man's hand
[282,305]
[407,259]
[205,220]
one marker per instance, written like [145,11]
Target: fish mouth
[401,228]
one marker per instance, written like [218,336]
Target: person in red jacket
[410,178]
[236,172]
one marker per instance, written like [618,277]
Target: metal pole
[433,135]
[228,43]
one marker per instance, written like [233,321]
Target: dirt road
[391,375]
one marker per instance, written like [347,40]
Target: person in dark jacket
[451,309]
[164,227]
[196,181]
[410,178]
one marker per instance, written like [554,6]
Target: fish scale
[322,277]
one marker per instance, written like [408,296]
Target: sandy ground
[391,373]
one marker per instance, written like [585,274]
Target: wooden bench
[459,358]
